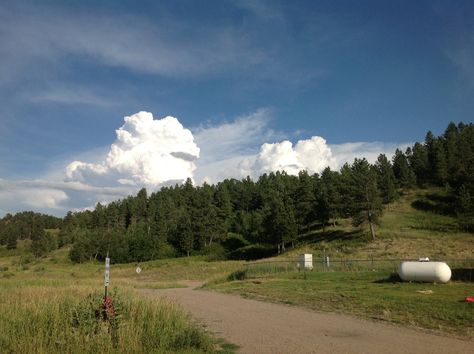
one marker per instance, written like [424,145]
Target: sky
[101,98]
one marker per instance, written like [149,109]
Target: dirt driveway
[259,327]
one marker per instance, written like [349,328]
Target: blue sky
[364,76]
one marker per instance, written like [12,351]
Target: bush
[252,252]
[215,252]
[165,250]
[26,259]
[92,313]
[78,252]
[234,241]
[237,275]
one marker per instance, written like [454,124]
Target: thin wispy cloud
[227,139]
[168,49]
[61,94]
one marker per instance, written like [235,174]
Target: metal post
[324,259]
[106,283]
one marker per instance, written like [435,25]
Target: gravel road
[260,327]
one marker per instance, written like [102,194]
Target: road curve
[260,327]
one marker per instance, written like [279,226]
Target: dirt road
[259,327]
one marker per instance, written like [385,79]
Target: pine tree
[418,160]
[304,201]
[11,234]
[366,204]
[41,242]
[385,179]
[440,166]
[184,233]
[328,197]
[450,142]
[402,171]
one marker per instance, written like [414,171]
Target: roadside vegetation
[44,319]
[51,305]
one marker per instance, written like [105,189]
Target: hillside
[404,232]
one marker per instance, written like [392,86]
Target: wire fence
[462,269]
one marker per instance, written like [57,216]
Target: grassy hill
[411,227]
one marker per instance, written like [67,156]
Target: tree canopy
[247,218]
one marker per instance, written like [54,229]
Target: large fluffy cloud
[147,152]
[152,153]
[312,155]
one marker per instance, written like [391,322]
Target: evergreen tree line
[235,219]
[447,161]
[32,226]
[251,219]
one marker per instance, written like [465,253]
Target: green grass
[404,232]
[52,320]
[38,298]
[364,294]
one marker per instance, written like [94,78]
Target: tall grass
[54,320]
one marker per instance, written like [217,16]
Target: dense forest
[28,225]
[244,219]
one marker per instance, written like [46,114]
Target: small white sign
[107,271]
[138,270]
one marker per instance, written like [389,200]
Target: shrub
[92,313]
[216,252]
[252,252]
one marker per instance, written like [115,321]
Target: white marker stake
[107,272]
[106,284]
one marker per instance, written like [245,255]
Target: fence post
[324,259]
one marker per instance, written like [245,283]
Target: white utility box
[306,261]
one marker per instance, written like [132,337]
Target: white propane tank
[430,272]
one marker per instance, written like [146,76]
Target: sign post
[106,282]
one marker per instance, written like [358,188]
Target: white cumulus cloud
[151,153]
[347,152]
[147,152]
[312,155]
